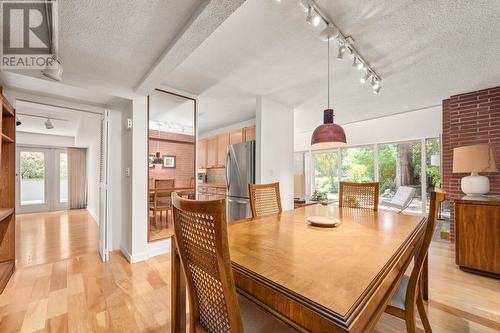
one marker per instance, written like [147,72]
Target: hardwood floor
[82,294]
[49,237]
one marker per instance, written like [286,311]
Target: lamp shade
[328,135]
[476,158]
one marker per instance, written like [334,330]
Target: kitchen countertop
[218,185]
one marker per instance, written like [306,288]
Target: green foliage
[358,164]
[32,165]
[319,196]
[325,172]
[387,167]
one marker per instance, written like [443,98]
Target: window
[326,173]
[358,164]
[399,164]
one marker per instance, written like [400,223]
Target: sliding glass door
[42,183]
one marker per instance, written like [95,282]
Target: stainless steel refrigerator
[240,171]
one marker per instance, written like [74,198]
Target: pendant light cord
[328,72]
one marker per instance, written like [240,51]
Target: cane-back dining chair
[358,195]
[265,199]
[408,297]
[200,233]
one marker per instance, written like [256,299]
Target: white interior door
[42,179]
[104,193]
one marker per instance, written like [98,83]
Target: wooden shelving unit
[7,191]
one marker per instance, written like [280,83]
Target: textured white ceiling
[118,41]
[68,127]
[424,51]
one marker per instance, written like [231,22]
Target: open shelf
[5,213]
[6,270]
[7,110]
[5,138]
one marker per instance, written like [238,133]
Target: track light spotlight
[366,76]
[312,17]
[341,52]
[377,89]
[304,5]
[316,20]
[374,82]
[355,62]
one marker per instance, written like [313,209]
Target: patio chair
[402,199]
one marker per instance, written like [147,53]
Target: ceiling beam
[209,16]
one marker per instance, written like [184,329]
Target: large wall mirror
[172,157]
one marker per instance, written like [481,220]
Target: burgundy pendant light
[328,135]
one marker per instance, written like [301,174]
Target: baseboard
[93,215]
[154,249]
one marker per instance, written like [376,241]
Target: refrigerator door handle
[228,161]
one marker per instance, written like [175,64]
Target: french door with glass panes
[42,179]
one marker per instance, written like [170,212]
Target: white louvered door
[103,189]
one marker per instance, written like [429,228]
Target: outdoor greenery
[32,165]
[319,196]
[358,166]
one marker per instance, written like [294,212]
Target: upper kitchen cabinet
[212,157]
[203,154]
[236,136]
[249,133]
[222,143]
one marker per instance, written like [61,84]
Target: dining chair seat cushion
[399,298]
[256,319]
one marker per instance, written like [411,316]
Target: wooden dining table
[316,279]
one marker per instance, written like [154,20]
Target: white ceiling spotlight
[341,52]
[366,76]
[55,71]
[48,124]
[345,43]
[312,17]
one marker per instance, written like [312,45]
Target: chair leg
[423,314]
[410,320]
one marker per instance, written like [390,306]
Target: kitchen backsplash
[216,176]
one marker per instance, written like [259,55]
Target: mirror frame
[195,114]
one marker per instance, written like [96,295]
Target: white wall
[25,138]
[140,249]
[402,127]
[275,147]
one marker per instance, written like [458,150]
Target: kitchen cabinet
[202,154]
[249,133]
[212,152]
[222,143]
[236,136]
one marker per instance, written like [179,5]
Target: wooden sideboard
[477,224]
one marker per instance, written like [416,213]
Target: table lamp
[475,159]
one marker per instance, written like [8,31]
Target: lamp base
[475,185]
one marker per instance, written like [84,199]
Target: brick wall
[180,145]
[469,119]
